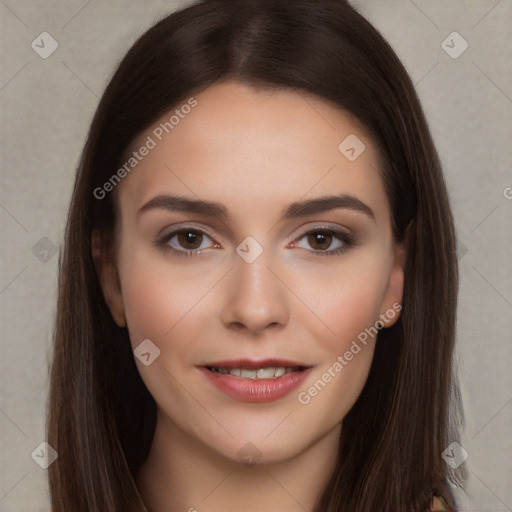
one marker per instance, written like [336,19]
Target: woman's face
[268,278]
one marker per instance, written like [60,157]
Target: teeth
[260,373]
[280,371]
[266,373]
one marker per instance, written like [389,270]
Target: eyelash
[347,240]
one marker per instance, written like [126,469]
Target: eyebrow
[294,210]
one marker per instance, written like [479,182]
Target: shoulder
[439,504]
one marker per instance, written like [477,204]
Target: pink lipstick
[252,380]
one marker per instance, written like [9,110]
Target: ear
[106,269]
[392,303]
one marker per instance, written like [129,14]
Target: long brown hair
[101,417]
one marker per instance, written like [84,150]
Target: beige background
[47,105]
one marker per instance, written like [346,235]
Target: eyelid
[167,234]
[323,226]
[301,231]
[180,227]
[343,234]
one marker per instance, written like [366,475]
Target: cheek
[336,303]
[346,300]
[152,304]
[348,303]
[162,301]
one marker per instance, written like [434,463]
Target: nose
[255,298]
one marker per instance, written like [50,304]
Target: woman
[299,357]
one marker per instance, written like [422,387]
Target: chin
[252,446]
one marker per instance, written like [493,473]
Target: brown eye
[326,242]
[185,241]
[320,241]
[189,239]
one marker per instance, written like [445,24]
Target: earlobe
[392,304]
[108,277]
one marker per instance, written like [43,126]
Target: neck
[183,474]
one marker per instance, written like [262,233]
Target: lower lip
[256,390]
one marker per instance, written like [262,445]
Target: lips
[256,380]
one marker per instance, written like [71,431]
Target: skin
[255,152]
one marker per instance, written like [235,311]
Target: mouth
[256,381]
[269,368]
[266,372]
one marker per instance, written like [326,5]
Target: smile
[253,381]
[260,373]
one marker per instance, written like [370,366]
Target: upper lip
[256,363]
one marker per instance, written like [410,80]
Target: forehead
[251,147]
